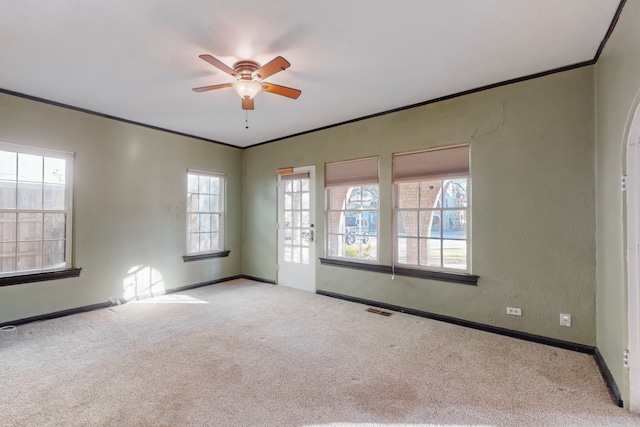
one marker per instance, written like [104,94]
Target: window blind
[209,173]
[432,164]
[352,172]
[292,176]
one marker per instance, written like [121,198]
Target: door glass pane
[296,227]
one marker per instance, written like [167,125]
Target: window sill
[463,278]
[39,277]
[189,258]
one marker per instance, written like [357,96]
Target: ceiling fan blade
[247,104]
[219,64]
[281,90]
[212,87]
[270,68]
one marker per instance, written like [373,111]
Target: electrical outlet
[565,320]
[514,311]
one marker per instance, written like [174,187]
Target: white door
[296,229]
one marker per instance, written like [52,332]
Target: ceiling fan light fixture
[247,89]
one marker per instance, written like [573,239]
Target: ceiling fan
[249,76]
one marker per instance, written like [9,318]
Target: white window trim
[222,212]
[69,157]
[327,211]
[437,163]
[396,209]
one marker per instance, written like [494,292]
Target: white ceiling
[138,59]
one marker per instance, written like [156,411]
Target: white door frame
[633,259]
[299,275]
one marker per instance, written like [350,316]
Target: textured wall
[617,80]
[129,206]
[533,208]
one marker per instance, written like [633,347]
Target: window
[431,218]
[352,209]
[35,209]
[205,212]
[296,226]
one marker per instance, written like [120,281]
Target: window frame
[221,212]
[53,272]
[468,210]
[343,212]
[361,176]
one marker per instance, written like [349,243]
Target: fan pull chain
[246,120]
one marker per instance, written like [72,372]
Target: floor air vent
[380,312]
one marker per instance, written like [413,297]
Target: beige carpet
[250,354]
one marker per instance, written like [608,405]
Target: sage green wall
[533,203]
[617,80]
[129,204]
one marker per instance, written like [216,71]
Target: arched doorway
[633,259]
